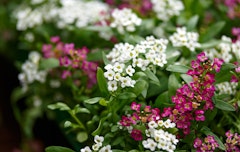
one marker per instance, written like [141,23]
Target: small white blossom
[183,38]
[152,124]
[165,9]
[227,88]
[96,147]
[106,149]
[125,19]
[98,139]
[86,149]
[130,70]
[109,75]
[112,85]
[118,67]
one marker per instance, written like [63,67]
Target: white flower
[183,38]
[112,85]
[130,70]
[106,149]
[109,74]
[149,144]
[165,9]
[86,149]
[108,67]
[167,123]
[98,139]
[152,124]
[126,82]
[117,76]
[118,67]
[97,146]
[124,19]
[162,144]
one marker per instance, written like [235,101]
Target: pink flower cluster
[71,58]
[233,8]
[232,142]
[236,32]
[139,116]
[209,144]
[236,76]
[192,100]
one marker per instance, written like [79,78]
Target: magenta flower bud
[135,106]
[55,39]
[136,135]
[202,57]
[197,143]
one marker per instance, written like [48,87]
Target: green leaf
[192,23]
[117,140]
[186,78]
[49,63]
[97,28]
[212,31]
[58,149]
[173,85]
[95,56]
[152,77]
[178,68]
[116,150]
[93,100]
[228,66]
[105,60]
[102,83]
[139,87]
[223,105]
[210,44]
[100,125]
[78,109]
[127,95]
[82,136]
[17,94]
[114,128]
[207,131]
[162,99]
[61,106]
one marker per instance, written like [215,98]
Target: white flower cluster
[227,87]
[30,71]
[119,73]
[183,38]
[225,50]
[80,13]
[158,138]
[125,19]
[98,146]
[165,9]
[70,12]
[126,57]
[236,49]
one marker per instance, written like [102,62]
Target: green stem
[77,120]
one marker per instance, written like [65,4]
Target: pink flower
[65,61]
[55,39]
[136,135]
[197,143]
[202,57]
[65,74]
[195,64]
[135,106]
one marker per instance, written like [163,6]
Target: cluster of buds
[232,142]
[209,144]
[193,99]
[71,58]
